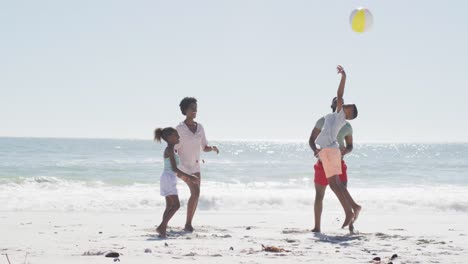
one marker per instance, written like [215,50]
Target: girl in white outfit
[168,180]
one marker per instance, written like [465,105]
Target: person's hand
[340,70]
[316,153]
[184,178]
[215,149]
[343,151]
[194,179]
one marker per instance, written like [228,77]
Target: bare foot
[161,231]
[316,230]
[348,220]
[356,212]
[351,228]
[188,228]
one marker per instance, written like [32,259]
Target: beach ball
[361,20]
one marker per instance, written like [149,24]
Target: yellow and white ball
[361,20]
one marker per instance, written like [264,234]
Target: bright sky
[260,69]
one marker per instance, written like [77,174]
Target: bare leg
[351,226]
[356,208]
[192,203]
[172,205]
[318,205]
[163,225]
[339,189]
[356,211]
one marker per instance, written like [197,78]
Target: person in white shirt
[330,153]
[345,140]
[192,141]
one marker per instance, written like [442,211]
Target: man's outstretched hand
[340,70]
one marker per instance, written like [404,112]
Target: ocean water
[123,175]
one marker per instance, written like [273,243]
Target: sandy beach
[230,237]
[244,110]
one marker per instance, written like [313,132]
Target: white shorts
[168,183]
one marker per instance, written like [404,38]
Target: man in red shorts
[345,139]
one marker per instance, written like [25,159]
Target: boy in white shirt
[330,153]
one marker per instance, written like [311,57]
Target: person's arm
[313,137]
[180,173]
[340,92]
[349,145]
[204,142]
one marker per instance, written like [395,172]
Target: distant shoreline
[238,140]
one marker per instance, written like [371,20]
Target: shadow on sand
[341,240]
[170,235]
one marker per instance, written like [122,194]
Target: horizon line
[240,140]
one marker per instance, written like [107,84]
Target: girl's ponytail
[158,134]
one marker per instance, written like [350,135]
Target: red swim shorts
[320,177]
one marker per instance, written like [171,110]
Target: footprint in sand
[221,236]
[295,231]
